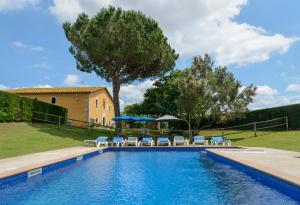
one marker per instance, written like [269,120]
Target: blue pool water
[144,178]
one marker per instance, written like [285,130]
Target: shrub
[14,108]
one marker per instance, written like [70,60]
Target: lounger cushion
[117,139]
[164,139]
[179,138]
[101,139]
[199,138]
[147,139]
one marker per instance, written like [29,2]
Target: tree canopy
[211,93]
[120,46]
[201,92]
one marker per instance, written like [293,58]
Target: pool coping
[10,173]
[264,169]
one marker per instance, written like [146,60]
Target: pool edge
[22,174]
[276,181]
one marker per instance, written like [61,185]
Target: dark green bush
[25,109]
[39,108]
[14,108]
[9,107]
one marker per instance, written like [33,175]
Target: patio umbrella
[121,118]
[144,119]
[132,118]
[167,118]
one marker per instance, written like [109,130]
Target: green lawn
[287,140]
[22,138]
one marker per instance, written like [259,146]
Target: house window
[53,100]
[103,121]
[96,119]
[96,102]
[103,104]
[109,108]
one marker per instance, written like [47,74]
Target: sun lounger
[101,140]
[178,140]
[117,141]
[163,141]
[147,141]
[219,140]
[131,141]
[200,140]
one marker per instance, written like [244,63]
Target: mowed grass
[286,140]
[25,138]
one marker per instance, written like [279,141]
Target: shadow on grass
[66,131]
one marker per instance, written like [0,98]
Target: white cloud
[4,87]
[21,45]
[18,44]
[195,27]
[133,93]
[293,87]
[16,4]
[268,97]
[40,65]
[43,86]
[73,80]
[37,48]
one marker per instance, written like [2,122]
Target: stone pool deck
[15,165]
[279,163]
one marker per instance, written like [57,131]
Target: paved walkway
[14,165]
[280,163]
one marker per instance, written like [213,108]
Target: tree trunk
[116,90]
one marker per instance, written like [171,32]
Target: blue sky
[257,40]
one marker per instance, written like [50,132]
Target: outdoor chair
[131,141]
[219,140]
[147,141]
[101,140]
[200,140]
[163,141]
[180,140]
[117,141]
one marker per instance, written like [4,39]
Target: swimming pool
[144,177]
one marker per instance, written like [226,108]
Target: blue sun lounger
[147,141]
[117,141]
[219,140]
[200,140]
[163,141]
[101,140]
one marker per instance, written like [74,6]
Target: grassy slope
[21,138]
[287,140]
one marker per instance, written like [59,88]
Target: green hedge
[291,111]
[14,108]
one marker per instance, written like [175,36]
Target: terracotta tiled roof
[57,90]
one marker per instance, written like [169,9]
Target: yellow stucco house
[86,104]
